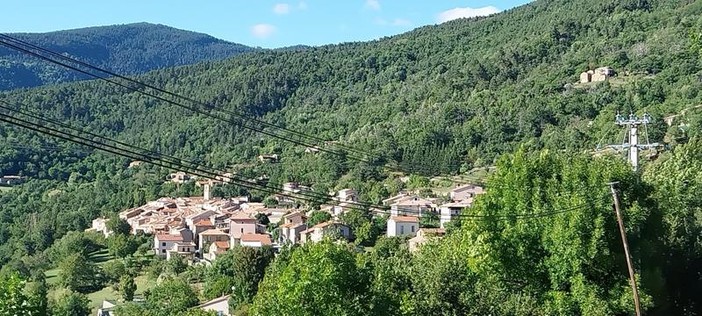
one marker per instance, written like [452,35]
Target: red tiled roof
[222,244]
[410,219]
[204,222]
[263,239]
[169,237]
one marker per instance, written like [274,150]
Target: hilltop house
[402,226]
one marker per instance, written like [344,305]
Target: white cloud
[457,13]
[373,5]
[281,8]
[262,30]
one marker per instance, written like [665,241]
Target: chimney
[207,193]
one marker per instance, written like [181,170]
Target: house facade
[255,240]
[465,192]
[402,226]
[330,228]
[449,211]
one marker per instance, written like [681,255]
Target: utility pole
[633,123]
[632,277]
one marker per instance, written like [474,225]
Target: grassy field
[107,293]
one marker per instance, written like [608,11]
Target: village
[199,228]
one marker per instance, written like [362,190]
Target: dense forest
[127,49]
[439,100]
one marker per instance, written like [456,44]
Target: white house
[402,226]
[100,225]
[317,232]
[165,242]
[106,308]
[347,195]
[465,192]
[240,223]
[450,211]
[219,305]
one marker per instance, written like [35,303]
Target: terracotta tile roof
[263,239]
[204,222]
[325,224]
[241,216]
[405,219]
[213,232]
[169,237]
[222,244]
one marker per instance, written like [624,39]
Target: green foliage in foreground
[561,256]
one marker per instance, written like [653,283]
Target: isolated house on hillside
[599,74]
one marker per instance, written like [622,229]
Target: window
[412,227]
[402,230]
[163,250]
[187,249]
[163,244]
[242,230]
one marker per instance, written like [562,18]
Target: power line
[144,85]
[177,165]
[9,40]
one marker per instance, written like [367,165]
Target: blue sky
[252,22]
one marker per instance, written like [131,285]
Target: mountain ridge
[124,48]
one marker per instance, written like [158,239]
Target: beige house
[402,226]
[209,236]
[465,192]
[424,235]
[330,228]
[215,249]
[293,225]
[241,223]
[412,206]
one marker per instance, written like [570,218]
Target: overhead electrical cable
[178,165]
[31,49]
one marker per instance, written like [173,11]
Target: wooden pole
[626,249]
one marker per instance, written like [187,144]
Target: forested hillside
[438,100]
[127,49]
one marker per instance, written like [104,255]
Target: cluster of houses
[204,227]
